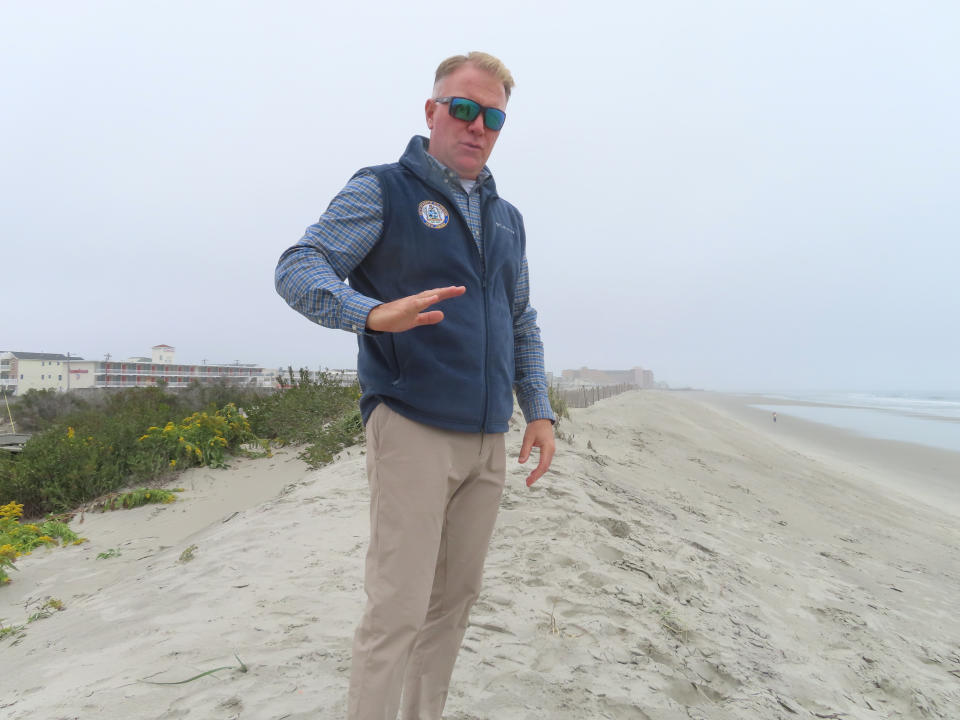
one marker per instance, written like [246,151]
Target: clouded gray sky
[739,195]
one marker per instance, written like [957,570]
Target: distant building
[22,371]
[648,380]
[163,354]
[588,376]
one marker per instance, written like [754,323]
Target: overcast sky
[738,195]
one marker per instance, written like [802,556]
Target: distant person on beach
[774,417]
[428,231]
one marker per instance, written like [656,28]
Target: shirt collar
[453,177]
[417,159]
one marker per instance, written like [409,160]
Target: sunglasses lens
[464,109]
[494,119]
[467,110]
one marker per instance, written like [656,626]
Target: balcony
[243,373]
[172,381]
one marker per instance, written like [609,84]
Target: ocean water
[932,420]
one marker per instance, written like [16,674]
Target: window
[60,378]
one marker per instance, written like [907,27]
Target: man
[437,383]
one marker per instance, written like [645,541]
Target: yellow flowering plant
[200,439]
[18,538]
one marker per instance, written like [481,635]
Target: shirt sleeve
[310,275]
[531,377]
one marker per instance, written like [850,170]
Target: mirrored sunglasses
[467,110]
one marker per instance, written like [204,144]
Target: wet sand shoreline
[928,474]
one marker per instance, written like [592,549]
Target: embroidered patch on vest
[433,214]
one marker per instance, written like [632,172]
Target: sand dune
[676,563]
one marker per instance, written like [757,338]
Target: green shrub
[38,409]
[64,467]
[337,435]
[86,453]
[57,470]
[113,439]
[319,412]
[298,412]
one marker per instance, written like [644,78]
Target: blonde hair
[481,60]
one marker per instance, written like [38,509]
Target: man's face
[461,146]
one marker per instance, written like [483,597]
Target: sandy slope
[678,563]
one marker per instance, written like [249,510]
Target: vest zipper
[484,222]
[486,342]
[486,310]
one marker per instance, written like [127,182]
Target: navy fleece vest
[459,373]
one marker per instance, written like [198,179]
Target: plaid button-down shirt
[310,276]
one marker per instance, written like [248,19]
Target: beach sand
[683,559]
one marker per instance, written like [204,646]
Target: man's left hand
[539,434]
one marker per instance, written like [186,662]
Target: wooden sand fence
[582,397]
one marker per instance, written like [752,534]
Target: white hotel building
[22,371]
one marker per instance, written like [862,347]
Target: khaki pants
[434,496]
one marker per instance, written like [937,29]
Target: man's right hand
[408,312]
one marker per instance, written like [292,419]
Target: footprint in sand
[616,527]
[607,553]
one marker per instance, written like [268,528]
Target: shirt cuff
[354,313]
[538,408]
